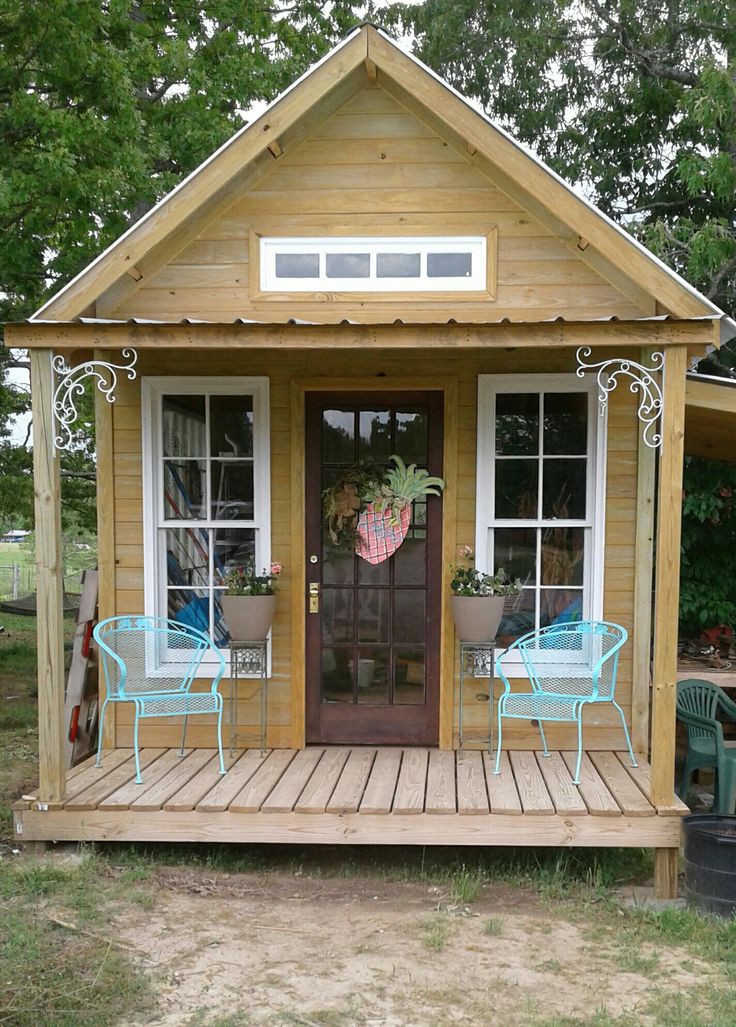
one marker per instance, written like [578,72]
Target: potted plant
[478,599]
[249,602]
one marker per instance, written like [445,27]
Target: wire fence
[17,580]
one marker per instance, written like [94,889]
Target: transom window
[207,501]
[457,263]
[539,496]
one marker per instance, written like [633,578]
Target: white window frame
[489,387]
[153,389]
[477,281]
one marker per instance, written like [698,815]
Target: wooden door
[373,647]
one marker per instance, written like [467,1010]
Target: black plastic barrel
[710,863]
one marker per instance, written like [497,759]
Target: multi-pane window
[454,263]
[539,496]
[207,485]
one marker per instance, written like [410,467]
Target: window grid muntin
[477,246]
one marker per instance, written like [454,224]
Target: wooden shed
[373,267]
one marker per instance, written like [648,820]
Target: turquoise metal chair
[570,666]
[137,655]
[698,705]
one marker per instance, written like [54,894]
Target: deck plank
[642,776]
[472,796]
[411,787]
[348,793]
[219,798]
[535,799]
[129,791]
[91,774]
[192,791]
[592,787]
[293,782]
[251,797]
[624,790]
[96,793]
[321,785]
[502,789]
[558,779]
[183,771]
[379,792]
[441,790]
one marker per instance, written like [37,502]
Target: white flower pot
[248,618]
[477,617]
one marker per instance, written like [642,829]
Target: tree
[633,100]
[104,107]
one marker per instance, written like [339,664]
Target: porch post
[666,607]
[49,582]
[105,531]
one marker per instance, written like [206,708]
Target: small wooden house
[373,267]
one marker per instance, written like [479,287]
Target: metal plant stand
[476,661]
[247,659]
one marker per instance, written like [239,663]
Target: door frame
[299,388]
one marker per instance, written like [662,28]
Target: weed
[493,926]
[436,934]
[635,961]
[466,886]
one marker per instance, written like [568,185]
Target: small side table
[246,659]
[476,661]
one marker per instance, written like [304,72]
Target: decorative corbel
[641,381]
[71,385]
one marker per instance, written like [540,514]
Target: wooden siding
[602,730]
[373,168]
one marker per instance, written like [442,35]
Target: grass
[435,933]
[493,926]
[466,886]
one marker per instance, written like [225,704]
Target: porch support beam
[696,334]
[105,529]
[667,594]
[49,582]
[644,566]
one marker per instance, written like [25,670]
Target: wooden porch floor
[356,796]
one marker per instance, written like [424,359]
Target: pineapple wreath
[369,511]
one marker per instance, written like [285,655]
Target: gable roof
[417,86]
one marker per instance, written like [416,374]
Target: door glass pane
[515,550]
[516,488]
[338,436]
[232,490]
[409,615]
[373,679]
[337,615]
[337,674]
[562,556]
[374,573]
[231,426]
[375,436]
[411,437]
[348,265]
[338,565]
[410,562]
[409,676]
[560,606]
[187,556]
[185,489]
[563,490]
[517,424]
[565,422]
[374,609]
[183,426]
[398,265]
[518,617]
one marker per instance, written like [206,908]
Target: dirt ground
[231,949]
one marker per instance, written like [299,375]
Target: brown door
[373,646]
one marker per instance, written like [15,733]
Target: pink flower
[467,552]
[276,569]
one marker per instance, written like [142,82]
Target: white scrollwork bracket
[71,385]
[641,381]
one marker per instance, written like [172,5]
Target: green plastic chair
[698,705]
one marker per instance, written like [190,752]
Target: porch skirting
[356,796]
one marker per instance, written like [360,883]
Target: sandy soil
[343,952]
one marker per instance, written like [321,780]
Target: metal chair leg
[497,768]
[219,739]
[138,778]
[544,739]
[184,734]
[100,726]
[576,779]
[626,733]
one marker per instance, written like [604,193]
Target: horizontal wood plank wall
[602,731]
[373,168]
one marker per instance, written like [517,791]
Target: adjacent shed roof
[710,417]
[403,74]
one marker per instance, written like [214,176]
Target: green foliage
[708,539]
